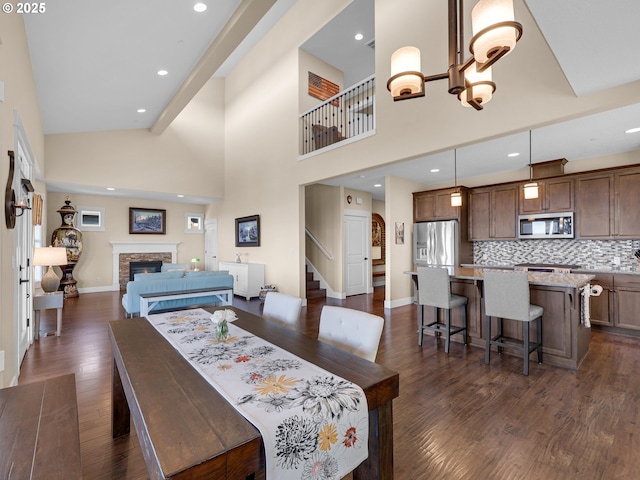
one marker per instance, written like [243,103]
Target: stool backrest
[351,330]
[282,308]
[434,287]
[506,295]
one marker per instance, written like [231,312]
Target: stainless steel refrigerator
[436,243]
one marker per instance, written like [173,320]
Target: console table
[248,278]
[43,301]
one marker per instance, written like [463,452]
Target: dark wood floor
[456,418]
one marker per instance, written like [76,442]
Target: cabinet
[600,307]
[627,301]
[554,195]
[436,205]
[607,205]
[248,278]
[493,213]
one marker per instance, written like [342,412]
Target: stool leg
[499,337]
[420,323]
[525,336]
[447,332]
[464,318]
[487,333]
[539,338]
[435,319]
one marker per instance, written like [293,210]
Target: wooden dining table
[188,430]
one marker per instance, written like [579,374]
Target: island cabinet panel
[627,301]
[627,204]
[601,307]
[493,213]
[594,206]
[554,195]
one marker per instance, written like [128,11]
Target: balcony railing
[347,115]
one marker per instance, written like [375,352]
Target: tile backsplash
[589,254]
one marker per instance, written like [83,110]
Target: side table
[43,301]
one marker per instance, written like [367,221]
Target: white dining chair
[351,330]
[284,309]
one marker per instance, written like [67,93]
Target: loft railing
[346,115]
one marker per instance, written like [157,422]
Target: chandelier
[495,34]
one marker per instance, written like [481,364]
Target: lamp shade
[456,199]
[406,59]
[480,88]
[48,256]
[531,190]
[484,15]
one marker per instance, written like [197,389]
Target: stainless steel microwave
[546,225]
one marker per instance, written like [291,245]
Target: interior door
[211,245]
[356,241]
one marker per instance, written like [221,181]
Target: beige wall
[19,96]
[188,158]
[94,271]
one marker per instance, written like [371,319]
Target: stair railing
[317,243]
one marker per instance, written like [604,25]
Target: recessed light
[633,130]
[162,73]
[434,170]
[377,185]
[514,154]
[359,36]
[199,7]
[141,110]
[111,189]
[363,176]
[180,196]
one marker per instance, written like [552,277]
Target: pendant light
[456,196]
[495,33]
[531,188]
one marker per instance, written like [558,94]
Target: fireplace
[147,266]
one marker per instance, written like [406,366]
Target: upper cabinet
[493,213]
[436,205]
[554,195]
[607,205]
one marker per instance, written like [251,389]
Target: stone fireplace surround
[125,252]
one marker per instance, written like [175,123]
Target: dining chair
[284,309]
[351,330]
[434,290]
[507,295]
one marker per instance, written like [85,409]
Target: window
[91,219]
[193,223]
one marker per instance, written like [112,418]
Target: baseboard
[103,288]
[401,302]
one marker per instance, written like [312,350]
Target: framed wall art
[248,231]
[149,221]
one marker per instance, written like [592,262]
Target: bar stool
[434,290]
[506,295]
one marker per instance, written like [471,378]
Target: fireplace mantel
[139,247]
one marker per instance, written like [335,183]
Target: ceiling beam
[243,20]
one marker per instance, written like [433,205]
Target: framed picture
[148,221]
[91,219]
[193,223]
[399,233]
[248,231]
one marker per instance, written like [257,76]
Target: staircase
[313,287]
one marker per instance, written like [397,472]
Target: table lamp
[50,256]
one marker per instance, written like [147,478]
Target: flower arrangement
[220,319]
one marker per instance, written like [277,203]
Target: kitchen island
[565,339]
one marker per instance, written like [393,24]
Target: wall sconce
[50,257]
[10,205]
[495,34]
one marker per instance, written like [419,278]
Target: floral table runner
[314,424]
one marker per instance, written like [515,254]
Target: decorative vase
[69,237]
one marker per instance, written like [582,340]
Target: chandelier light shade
[406,79]
[478,87]
[495,31]
[495,35]
[50,256]
[456,199]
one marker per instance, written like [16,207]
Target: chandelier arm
[439,76]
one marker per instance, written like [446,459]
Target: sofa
[174,280]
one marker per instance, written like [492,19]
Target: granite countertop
[569,280]
[588,271]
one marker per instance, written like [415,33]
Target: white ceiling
[95,64]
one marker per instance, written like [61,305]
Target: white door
[356,246]
[211,245]
[22,252]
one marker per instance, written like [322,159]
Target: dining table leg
[379,464]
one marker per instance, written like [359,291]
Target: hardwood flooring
[456,418]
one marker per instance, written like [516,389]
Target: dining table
[188,430]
